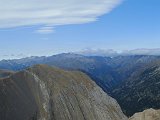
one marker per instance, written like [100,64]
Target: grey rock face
[149,114]
[46,93]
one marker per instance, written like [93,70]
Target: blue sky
[130,25]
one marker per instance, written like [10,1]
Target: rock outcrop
[149,114]
[45,93]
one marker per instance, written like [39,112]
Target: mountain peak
[43,92]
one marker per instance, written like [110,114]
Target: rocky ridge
[45,93]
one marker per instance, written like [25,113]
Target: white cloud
[45,30]
[15,13]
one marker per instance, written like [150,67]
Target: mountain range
[133,80]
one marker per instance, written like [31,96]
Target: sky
[46,27]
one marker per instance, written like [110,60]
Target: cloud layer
[142,52]
[14,13]
[113,53]
[99,52]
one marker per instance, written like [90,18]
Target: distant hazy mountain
[45,93]
[149,114]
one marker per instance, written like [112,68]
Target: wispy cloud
[12,56]
[142,51]
[14,13]
[45,30]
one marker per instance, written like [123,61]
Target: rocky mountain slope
[149,114]
[45,93]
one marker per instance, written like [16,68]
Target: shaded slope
[5,73]
[43,92]
[141,91]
